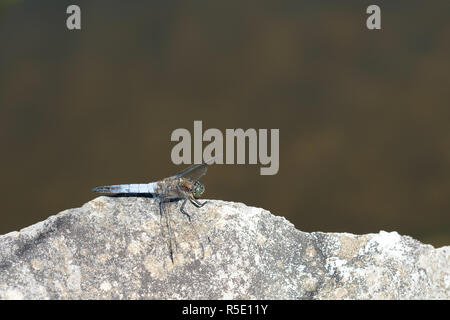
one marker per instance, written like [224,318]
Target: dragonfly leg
[184,211]
[197,203]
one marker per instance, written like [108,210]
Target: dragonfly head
[198,189]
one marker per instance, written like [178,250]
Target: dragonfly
[184,185]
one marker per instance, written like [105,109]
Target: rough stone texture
[113,248]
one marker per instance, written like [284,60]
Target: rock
[115,248]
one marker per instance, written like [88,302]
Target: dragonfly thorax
[193,187]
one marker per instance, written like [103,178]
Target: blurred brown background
[363,115]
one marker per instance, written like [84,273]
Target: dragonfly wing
[166,225]
[194,172]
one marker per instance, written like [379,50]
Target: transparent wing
[194,172]
[166,225]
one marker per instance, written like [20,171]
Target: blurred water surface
[363,115]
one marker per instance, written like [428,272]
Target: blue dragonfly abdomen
[128,188]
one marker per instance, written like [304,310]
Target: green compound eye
[199,189]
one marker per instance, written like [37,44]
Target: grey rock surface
[116,248]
